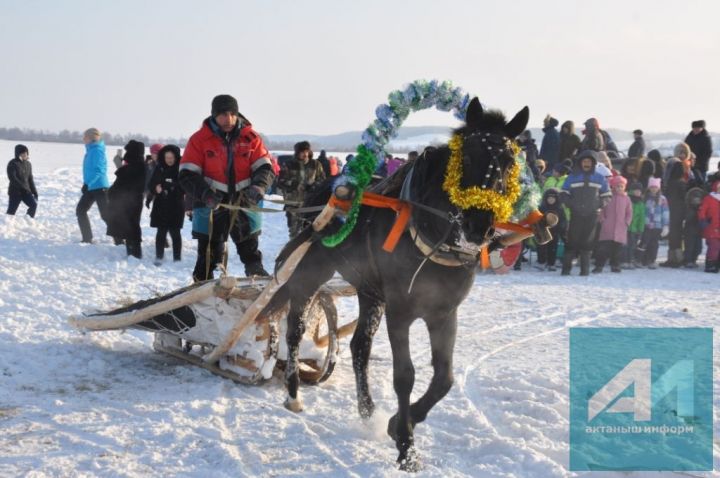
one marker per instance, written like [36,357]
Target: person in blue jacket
[550,146]
[95,182]
[583,192]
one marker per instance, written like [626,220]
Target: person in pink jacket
[709,216]
[615,219]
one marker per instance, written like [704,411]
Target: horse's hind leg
[305,281]
[403,381]
[371,311]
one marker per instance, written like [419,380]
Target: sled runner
[191,322]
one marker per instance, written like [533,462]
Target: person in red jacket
[225,163]
[709,216]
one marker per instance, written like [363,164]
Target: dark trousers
[629,254]
[692,240]
[608,250]
[86,201]
[547,253]
[216,249]
[161,239]
[651,243]
[248,249]
[15,200]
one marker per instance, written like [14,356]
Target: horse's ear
[518,123]
[474,113]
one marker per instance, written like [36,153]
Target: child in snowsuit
[168,210]
[547,253]
[657,223]
[583,193]
[637,226]
[615,219]
[21,187]
[709,216]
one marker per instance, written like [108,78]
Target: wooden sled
[191,324]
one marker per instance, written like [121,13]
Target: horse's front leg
[443,330]
[295,331]
[401,428]
[371,311]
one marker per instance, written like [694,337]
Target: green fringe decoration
[360,171]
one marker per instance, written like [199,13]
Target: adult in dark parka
[701,144]
[675,191]
[655,156]
[637,149]
[569,142]
[21,187]
[550,146]
[125,198]
[167,197]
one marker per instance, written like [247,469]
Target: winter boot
[674,258]
[256,269]
[711,266]
[585,263]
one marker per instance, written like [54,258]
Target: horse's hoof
[366,408]
[409,461]
[294,404]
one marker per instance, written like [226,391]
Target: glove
[147,202]
[84,189]
[253,195]
[665,231]
[212,199]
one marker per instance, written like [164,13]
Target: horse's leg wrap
[371,311]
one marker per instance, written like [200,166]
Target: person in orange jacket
[226,162]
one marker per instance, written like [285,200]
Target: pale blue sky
[322,66]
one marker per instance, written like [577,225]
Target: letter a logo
[635,373]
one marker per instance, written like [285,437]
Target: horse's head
[478,179]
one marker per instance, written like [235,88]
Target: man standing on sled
[225,163]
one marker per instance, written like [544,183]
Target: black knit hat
[302,146]
[698,124]
[638,132]
[20,149]
[222,104]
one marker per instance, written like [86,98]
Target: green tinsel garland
[360,171]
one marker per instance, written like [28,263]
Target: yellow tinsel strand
[474,197]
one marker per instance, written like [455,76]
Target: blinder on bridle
[498,147]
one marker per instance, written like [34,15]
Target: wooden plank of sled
[126,319]
[211,367]
[281,276]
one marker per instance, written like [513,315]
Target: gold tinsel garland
[474,197]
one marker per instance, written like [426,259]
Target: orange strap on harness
[376,200]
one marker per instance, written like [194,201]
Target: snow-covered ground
[105,404]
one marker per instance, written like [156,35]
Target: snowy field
[105,404]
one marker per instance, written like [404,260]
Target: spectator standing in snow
[700,143]
[95,182]
[151,162]
[636,227]
[593,140]
[569,142]
[550,146]
[529,149]
[226,162]
[657,222]
[656,158]
[709,216]
[125,199]
[692,232]
[637,149]
[324,162]
[583,193]
[21,187]
[167,197]
[299,176]
[547,253]
[615,219]
[675,191]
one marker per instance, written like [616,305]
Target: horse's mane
[491,120]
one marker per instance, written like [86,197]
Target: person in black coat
[637,149]
[659,169]
[22,186]
[547,253]
[701,144]
[167,198]
[675,191]
[125,199]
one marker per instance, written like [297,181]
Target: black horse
[383,280]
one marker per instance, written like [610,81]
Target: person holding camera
[224,164]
